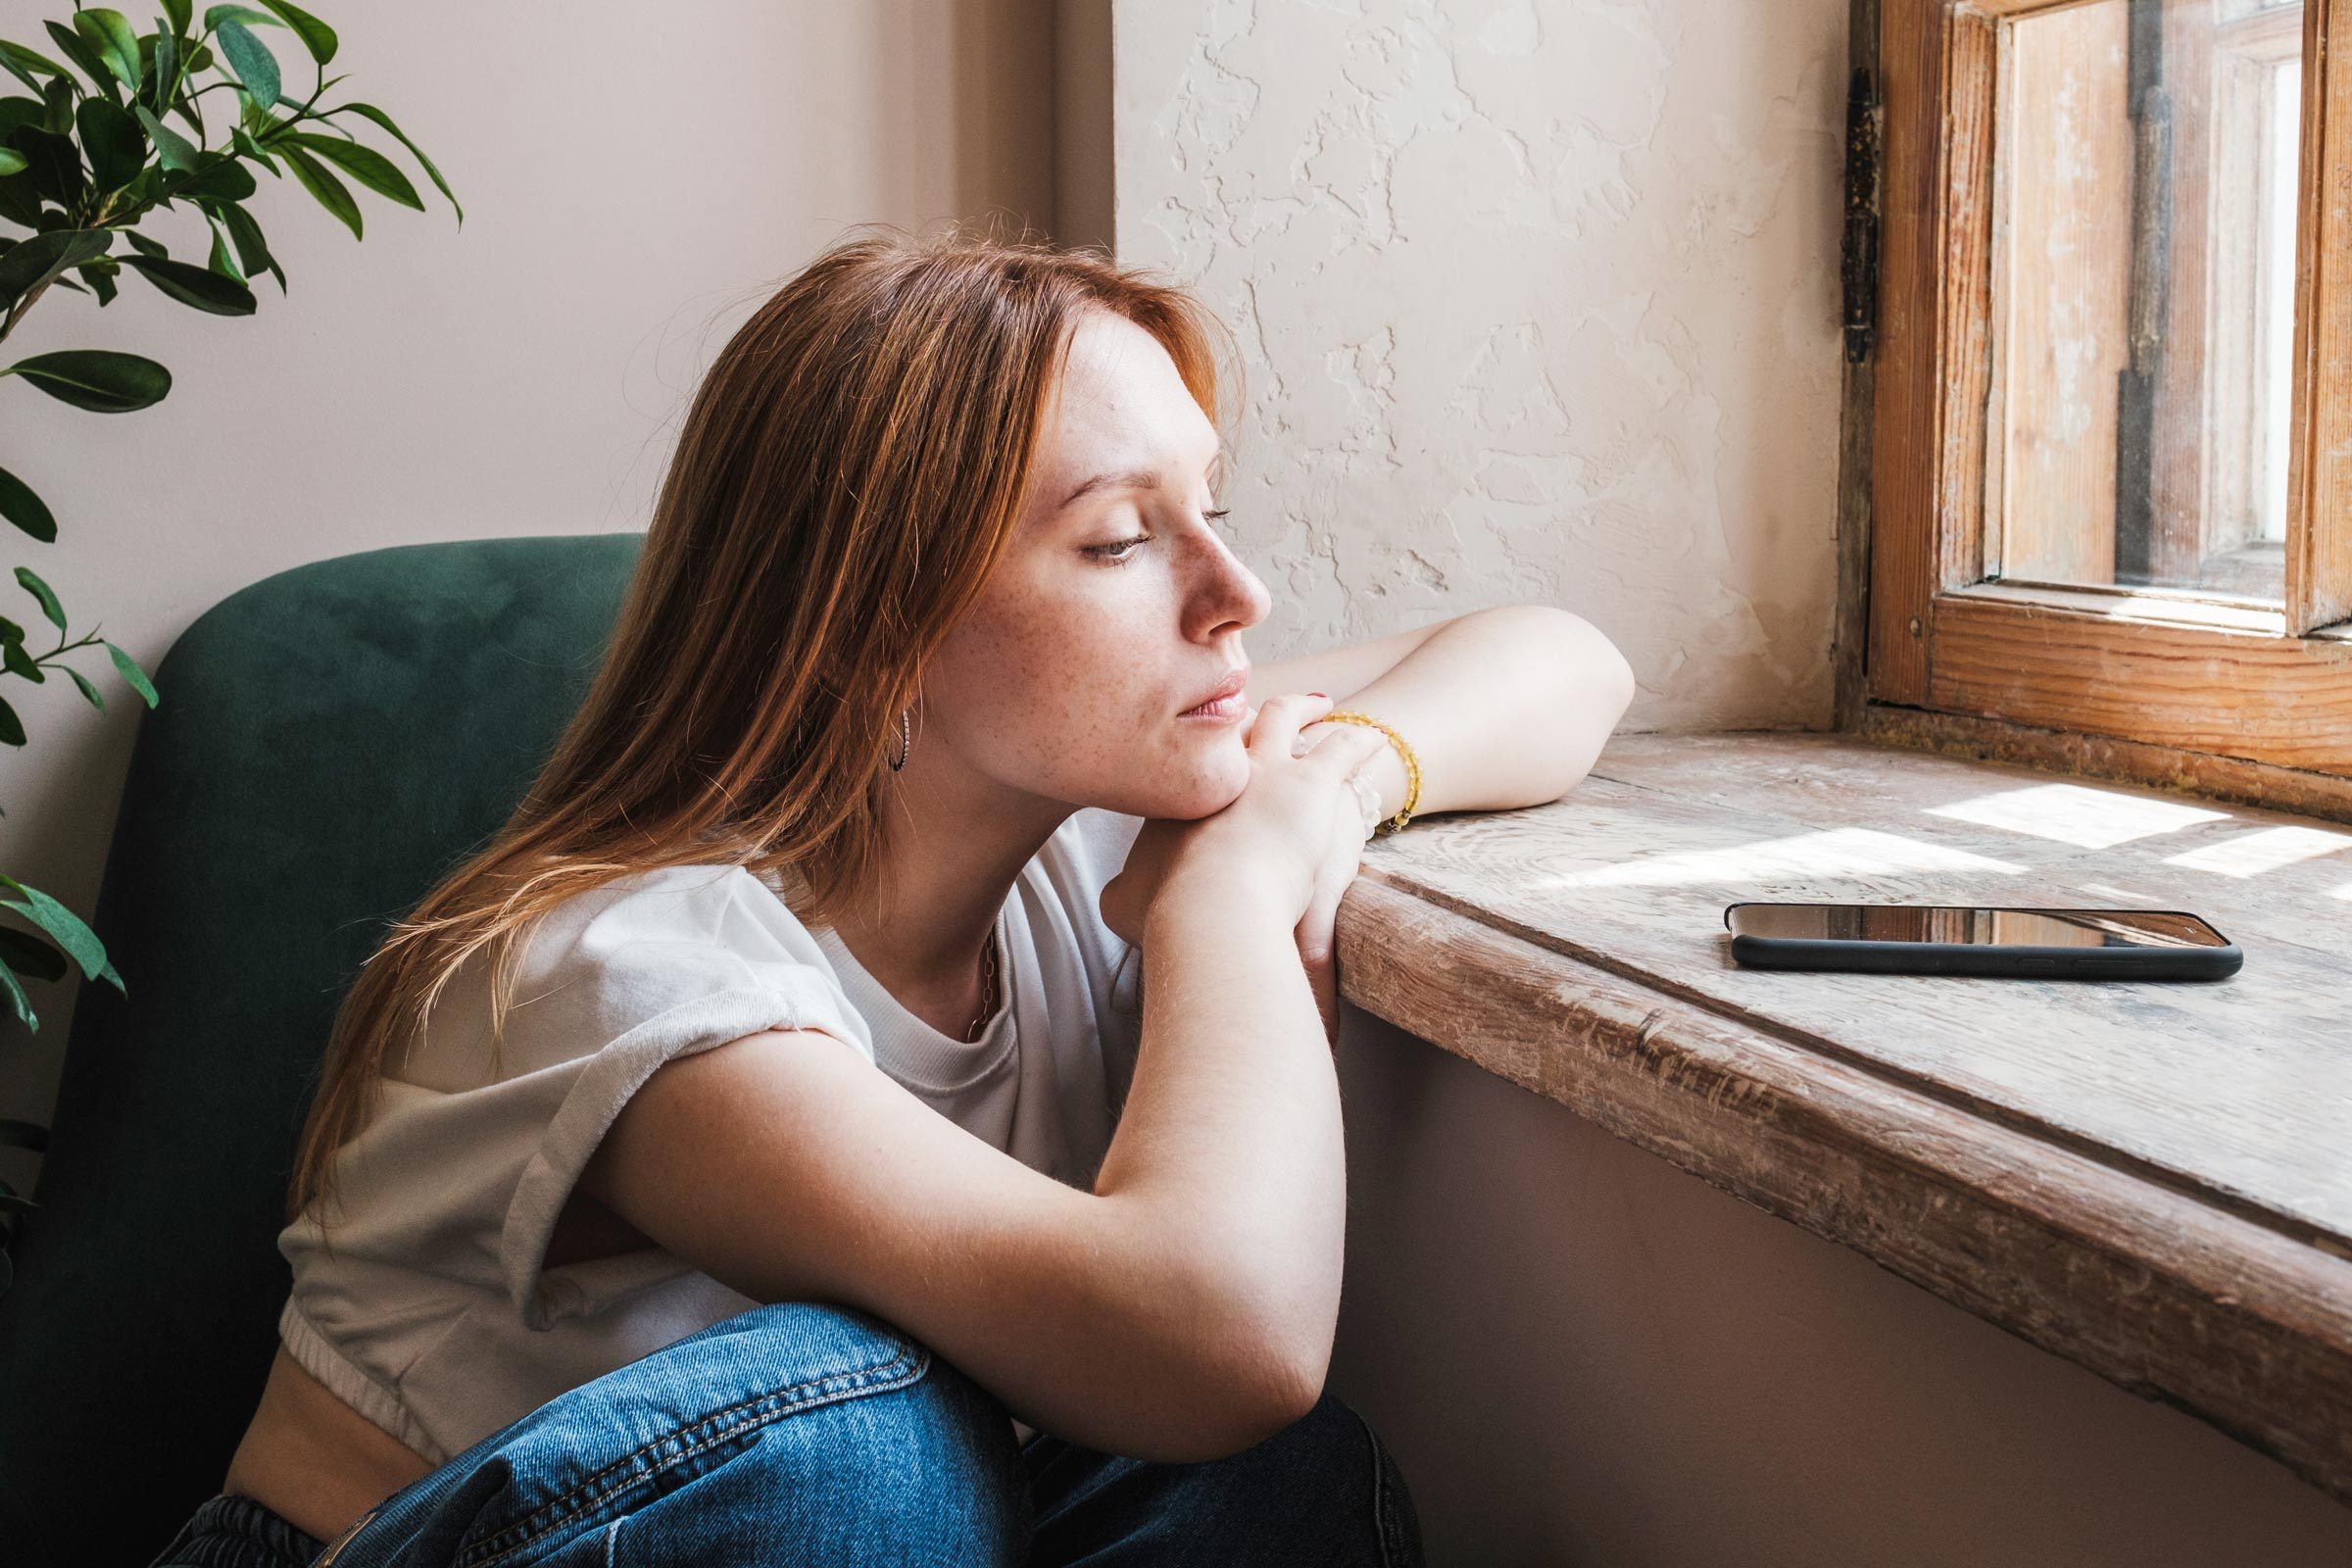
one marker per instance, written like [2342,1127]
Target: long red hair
[846,476]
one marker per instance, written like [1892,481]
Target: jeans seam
[604,1485]
[1383,1524]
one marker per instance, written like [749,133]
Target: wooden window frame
[2178,686]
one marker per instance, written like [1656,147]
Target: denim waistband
[233,1531]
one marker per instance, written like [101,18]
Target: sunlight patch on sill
[2072,813]
[2252,854]
[1846,852]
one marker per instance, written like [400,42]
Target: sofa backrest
[327,742]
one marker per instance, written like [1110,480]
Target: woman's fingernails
[1318,694]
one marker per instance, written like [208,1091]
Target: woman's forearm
[1229,1145]
[1503,707]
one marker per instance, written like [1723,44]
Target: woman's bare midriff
[314,1460]
[318,1463]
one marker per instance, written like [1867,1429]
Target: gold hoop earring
[906,742]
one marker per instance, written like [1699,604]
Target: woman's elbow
[1621,683]
[1605,684]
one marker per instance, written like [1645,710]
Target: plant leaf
[128,668]
[29,264]
[78,50]
[145,246]
[366,165]
[57,103]
[223,179]
[32,585]
[197,286]
[97,379]
[19,505]
[101,277]
[17,661]
[27,954]
[370,112]
[12,162]
[88,690]
[214,16]
[80,942]
[179,11]
[166,65]
[55,165]
[253,253]
[10,631]
[317,36]
[116,147]
[24,60]
[14,1134]
[331,193]
[114,40]
[173,150]
[220,258]
[255,67]
[11,728]
[18,1001]
[242,140]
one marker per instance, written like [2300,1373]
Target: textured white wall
[1537,299]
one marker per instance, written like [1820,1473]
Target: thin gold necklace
[988,998]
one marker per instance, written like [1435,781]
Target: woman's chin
[1207,795]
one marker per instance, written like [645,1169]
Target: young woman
[766,1149]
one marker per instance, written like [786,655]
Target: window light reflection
[2252,854]
[1846,852]
[2071,813]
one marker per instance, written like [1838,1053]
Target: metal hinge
[1858,258]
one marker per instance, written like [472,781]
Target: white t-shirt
[433,1316]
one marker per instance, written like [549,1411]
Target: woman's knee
[1332,1464]
[793,1432]
[924,1467]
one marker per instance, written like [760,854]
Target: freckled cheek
[1051,671]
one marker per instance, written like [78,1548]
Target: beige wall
[1581,1354]
[634,179]
[1537,301]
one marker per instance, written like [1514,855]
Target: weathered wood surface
[2152,1179]
[2103,757]
[2319,551]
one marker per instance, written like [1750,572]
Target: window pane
[2143,283]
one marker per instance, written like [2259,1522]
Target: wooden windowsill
[2153,1180]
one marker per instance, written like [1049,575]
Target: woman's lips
[1223,710]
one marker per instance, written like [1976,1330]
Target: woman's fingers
[1276,724]
[1318,930]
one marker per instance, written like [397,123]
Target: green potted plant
[88,155]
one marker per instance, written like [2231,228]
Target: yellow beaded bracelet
[1412,764]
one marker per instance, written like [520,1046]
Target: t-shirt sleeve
[662,966]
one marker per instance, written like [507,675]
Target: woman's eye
[1121,550]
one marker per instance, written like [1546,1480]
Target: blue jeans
[810,1433]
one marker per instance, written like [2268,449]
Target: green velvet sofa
[329,741]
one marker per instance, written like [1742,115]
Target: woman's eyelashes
[1118,552]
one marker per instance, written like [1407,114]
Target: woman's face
[1111,610]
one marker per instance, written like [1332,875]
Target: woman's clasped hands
[1295,835]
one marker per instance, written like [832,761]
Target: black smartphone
[1963,939]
